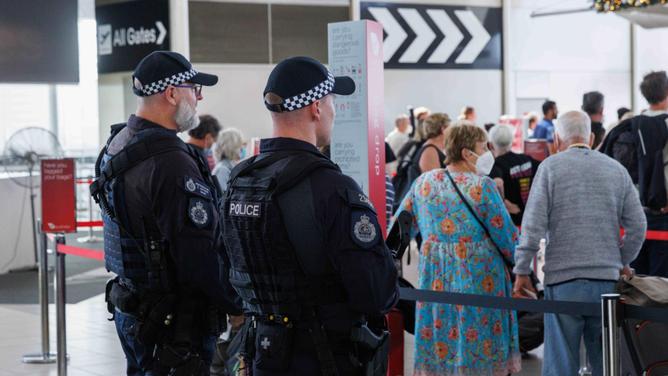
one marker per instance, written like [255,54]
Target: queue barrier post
[46,356]
[610,312]
[60,309]
[90,238]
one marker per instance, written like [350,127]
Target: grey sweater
[578,201]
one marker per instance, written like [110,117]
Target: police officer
[305,246]
[162,235]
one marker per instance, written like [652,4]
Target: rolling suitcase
[644,348]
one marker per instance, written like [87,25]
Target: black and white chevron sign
[426,36]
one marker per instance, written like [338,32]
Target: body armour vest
[123,252]
[272,274]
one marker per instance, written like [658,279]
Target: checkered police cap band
[161,85]
[305,99]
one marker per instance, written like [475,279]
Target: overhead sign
[126,32]
[358,141]
[428,36]
[58,196]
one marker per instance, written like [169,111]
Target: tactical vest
[126,250]
[278,262]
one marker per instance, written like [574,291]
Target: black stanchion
[46,356]
[60,309]
[610,311]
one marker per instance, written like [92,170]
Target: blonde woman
[229,150]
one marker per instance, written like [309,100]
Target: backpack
[621,144]
[406,173]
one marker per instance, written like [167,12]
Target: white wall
[443,91]
[17,247]
[237,98]
[562,57]
[652,55]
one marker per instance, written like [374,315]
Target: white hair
[228,144]
[501,136]
[573,125]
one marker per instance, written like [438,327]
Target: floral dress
[457,256]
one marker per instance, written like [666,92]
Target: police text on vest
[244,209]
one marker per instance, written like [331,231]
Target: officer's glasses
[196,87]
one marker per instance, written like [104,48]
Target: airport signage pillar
[355,49]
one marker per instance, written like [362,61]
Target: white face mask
[484,163]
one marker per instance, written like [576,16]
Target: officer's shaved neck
[299,124]
[157,109]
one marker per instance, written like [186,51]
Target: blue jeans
[139,357]
[564,332]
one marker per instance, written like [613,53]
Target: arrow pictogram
[162,31]
[426,35]
[451,40]
[479,37]
[395,33]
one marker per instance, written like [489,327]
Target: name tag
[245,209]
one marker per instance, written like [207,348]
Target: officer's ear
[170,95]
[315,109]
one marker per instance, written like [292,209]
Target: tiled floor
[91,340]
[92,344]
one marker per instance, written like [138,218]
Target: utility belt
[161,314]
[268,343]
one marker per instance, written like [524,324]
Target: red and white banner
[358,139]
[58,196]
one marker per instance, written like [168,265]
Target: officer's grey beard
[186,117]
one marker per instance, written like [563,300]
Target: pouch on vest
[274,344]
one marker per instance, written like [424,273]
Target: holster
[117,296]
[181,360]
[372,349]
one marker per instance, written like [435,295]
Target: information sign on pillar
[58,196]
[358,146]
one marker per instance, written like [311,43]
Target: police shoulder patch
[196,186]
[200,212]
[365,229]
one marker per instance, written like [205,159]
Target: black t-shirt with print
[517,172]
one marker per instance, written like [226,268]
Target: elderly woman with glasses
[467,234]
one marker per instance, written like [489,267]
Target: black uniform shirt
[169,190]
[360,257]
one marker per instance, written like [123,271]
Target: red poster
[58,196]
[376,129]
[536,149]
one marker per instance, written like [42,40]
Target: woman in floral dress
[457,256]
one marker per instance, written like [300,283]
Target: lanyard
[579,146]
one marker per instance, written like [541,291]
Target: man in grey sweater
[579,200]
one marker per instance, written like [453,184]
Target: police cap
[297,82]
[161,69]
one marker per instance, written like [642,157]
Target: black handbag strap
[509,264]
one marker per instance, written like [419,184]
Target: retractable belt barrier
[531,305]
[81,252]
[609,310]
